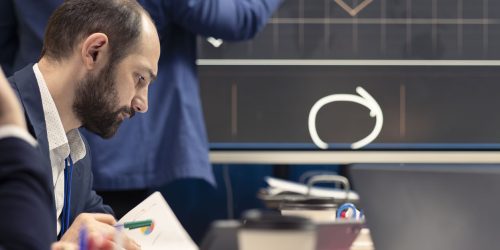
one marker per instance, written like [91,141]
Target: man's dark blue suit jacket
[83,197]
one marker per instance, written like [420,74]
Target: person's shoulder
[18,155]
[11,145]
[26,71]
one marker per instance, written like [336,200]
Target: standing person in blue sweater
[170,142]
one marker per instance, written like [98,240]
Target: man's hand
[96,224]
[94,242]
[10,109]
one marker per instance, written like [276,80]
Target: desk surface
[363,241]
[348,157]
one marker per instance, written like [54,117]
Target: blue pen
[83,238]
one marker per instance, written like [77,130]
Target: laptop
[430,207]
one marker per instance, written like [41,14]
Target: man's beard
[96,103]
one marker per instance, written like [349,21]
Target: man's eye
[141,78]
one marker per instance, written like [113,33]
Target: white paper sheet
[278,185]
[166,231]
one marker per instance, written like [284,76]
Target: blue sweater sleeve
[226,19]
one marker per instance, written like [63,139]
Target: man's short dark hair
[74,20]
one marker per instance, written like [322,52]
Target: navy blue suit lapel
[25,84]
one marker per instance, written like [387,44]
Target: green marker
[135,224]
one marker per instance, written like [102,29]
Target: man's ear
[95,49]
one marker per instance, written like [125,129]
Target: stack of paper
[277,186]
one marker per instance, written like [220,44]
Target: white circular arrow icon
[364,99]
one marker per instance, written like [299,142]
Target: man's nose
[140,102]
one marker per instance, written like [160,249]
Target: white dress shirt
[60,143]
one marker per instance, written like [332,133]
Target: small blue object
[344,208]
[82,238]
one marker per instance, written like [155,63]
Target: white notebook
[166,232]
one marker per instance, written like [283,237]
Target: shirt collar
[56,136]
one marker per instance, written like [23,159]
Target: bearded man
[97,62]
